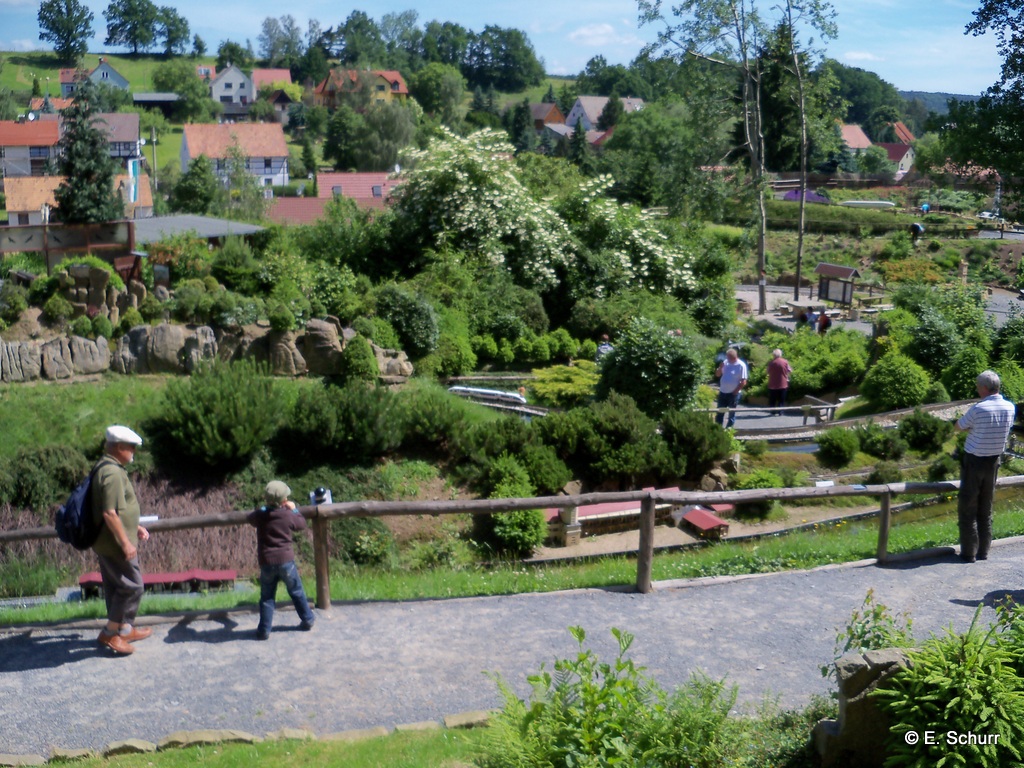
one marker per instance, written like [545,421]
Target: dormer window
[378,191]
[336,191]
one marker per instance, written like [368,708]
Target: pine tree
[549,97]
[611,114]
[87,194]
[580,153]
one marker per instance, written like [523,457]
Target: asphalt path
[389,663]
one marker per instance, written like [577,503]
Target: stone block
[58,754]
[129,747]
[473,719]
[424,725]
[6,760]
[89,356]
[165,347]
[55,356]
[183,739]
[290,734]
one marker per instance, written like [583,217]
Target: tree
[280,42]
[344,133]
[439,89]
[197,189]
[403,40]
[611,114]
[230,52]
[730,33]
[198,47]
[173,29]
[580,153]
[503,58]
[519,124]
[446,43]
[67,25]
[131,23]
[179,76]
[86,195]
[357,42]
[244,200]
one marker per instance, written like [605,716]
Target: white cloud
[19,45]
[594,34]
[860,56]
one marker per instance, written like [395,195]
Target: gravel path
[373,664]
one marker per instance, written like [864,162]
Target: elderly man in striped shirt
[987,424]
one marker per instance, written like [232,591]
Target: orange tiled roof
[254,139]
[297,210]
[36,104]
[358,186]
[28,193]
[261,77]
[345,79]
[31,134]
[903,133]
[854,137]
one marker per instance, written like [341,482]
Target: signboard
[839,291]
[56,241]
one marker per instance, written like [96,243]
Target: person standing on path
[779,371]
[114,500]
[732,378]
[275,522]
[987,424]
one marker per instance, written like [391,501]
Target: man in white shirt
[732,378]
[987,424]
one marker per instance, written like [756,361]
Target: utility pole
[152,144]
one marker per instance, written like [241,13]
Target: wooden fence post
[321,560]
[645,553]
[884,521]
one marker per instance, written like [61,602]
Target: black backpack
[75,523]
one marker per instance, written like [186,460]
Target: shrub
[101,327]
[219,416]
[895,381]
[937,393]
[565,386]
[589,713]
[871,628]
[885,472]
[357,361]
[881,443]
[837,447]
[934,341]
[281,317]
[761,478]
[44,476]
[58,309]
[236,267]
[82,326]
[943,468]
[519,532]
[433,417]
[130,319]
[657,370]
[362,541]
[548,473]
[954,683]
[695,441]
[960,376]
[412,318]
[13,301]
[924,432]
[755,448]
[485,347]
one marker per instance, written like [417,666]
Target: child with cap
[275,522]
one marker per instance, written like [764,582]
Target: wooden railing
[322,514]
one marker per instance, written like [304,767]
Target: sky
[915,46]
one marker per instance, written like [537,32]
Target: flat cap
[119,434]
[276,492]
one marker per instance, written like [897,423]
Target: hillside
[936,102]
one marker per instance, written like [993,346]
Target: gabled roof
[854,137]
[547,112]
[145,192]
[120,127]
[903,133]
[206,71]
[28,193]
[254,139]
[348,79]
[226,71]
[895,151]
[594,105]
[369,190]
[261,77]
[35,133]
[836,270]
[297,210]
[56,102]
[73,75]
[565,132]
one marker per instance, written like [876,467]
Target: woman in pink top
[778,381]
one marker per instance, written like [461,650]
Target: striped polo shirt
[987,424]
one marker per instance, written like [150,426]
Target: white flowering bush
[464,194]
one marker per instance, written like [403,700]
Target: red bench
[194,580]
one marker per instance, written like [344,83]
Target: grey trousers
[974,504]
[122,588]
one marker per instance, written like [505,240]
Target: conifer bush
[81,326]
[58,309]
[881,443]
[41,477]
[837,447]
[695,441]
[895,381]
[924,432]
[219,416]
[358,363]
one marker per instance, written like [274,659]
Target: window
[394,86]
[336,191]
[226,99]
[220,164]
[39,152]
[268,164]
[381,88]
[227,86]
[377,191]
[3,152]
[23,218]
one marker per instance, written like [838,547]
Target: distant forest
[936,102]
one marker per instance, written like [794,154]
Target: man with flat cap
[113,500]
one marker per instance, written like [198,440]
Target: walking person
[987,424]
[275,522]
[732,378]
[113,499]
[779,371]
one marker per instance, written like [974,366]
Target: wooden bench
[194,580]
[820,409]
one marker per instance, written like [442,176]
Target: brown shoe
[116,643]
[137,634]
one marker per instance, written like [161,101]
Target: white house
[262,144]
[27,148]
[233,89]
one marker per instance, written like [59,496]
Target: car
[987,215]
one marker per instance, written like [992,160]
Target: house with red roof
[262,144]
[900,154]
[103,73]
[588,109]
[28,196]
[269,78]
[903,134]
[385,86]
[369,190]
[27,148]
[545,113]
[233,90]
[854,137]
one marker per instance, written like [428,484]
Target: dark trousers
[727,400]
[777,398]
[974,503]
[270,575]
[122,588]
